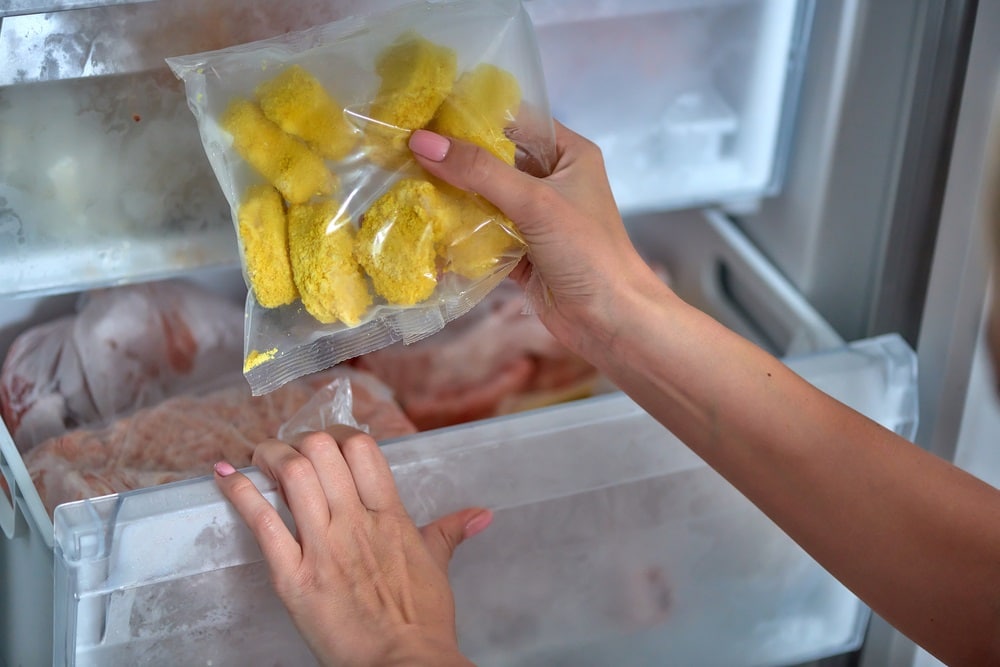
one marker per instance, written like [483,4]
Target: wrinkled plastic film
[347,245]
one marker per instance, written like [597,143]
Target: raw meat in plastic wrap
[493,361]
[183,436]
[126,348]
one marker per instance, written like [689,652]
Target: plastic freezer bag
[347,244]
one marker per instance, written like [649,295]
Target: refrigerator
[806,171]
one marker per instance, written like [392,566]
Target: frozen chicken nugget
[482,103]
[330,282]
[264,232]
[417,76]
[396,242]
[482,239]
[283,160]
[299,105]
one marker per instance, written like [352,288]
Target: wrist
[422,650]
[608,330]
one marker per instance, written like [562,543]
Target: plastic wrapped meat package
[141,386]
[347,245]
[125,348]
[495,360]
[183,436]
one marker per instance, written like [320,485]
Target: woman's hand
[579,253]
[363,585]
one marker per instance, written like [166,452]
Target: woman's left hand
[363,585]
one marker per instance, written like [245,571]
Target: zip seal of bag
[346,244]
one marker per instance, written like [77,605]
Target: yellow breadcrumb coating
[482,103]
[480,240]
[297,172]
[256,358]
[396,242]
[321,244]
[299,105]
[472,236]
[264,233]
[417,76]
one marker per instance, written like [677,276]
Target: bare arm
[913,536]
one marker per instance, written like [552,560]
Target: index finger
[280,548]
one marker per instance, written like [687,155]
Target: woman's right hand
[580,258]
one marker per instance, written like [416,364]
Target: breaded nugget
[396,242]
[330,282]
[482,103]
[299,105]
[264,232]
[480,239]
[417,76]
[297,172]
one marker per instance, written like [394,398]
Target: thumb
[444,535]
[474,169]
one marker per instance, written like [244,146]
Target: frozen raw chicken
[183,436]
[263,231]
[289,165]
[296,102]
[321,245]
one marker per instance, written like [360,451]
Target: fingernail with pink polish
[224,468]
[429,145]
[478,523]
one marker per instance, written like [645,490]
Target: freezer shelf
[692,103]
[612,544]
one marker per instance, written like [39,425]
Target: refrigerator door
[612,544]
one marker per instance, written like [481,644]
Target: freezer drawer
[612,541]
[612,544]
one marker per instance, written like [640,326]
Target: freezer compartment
[103,178]
[691,102]
[612,544]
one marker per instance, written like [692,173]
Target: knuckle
[359,441]
[315,442]
[480,167]
[294,468]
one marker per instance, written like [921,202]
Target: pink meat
[491,361]
[183,436]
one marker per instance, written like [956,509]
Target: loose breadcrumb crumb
[297,172]
[256,358]
[330,282]
[300,106]
[264,233]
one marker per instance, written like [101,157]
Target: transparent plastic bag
[347,245]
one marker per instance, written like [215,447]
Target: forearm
[916,538]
